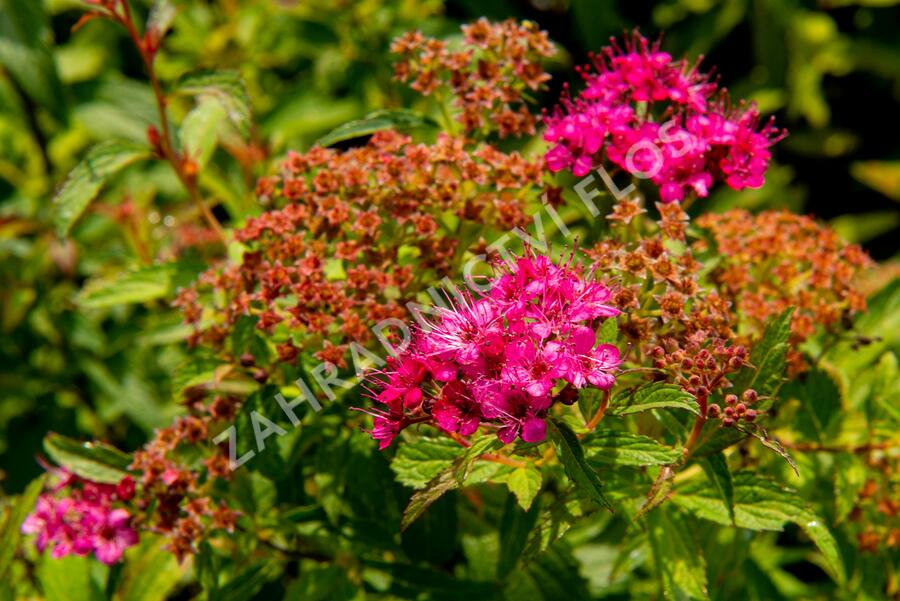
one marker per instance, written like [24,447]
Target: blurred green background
[77,360]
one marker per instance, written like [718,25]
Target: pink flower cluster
[659,119]
[504,359]
[84,520]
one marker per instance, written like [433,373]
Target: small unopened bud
[710,364]
[731,399]
[750,396]
[659,352]
[727,421]
[713,411]
[695,380]
[568,396]
[735,362]
[729,411]
[261,376]
[740,408]
[687,364]
[248,360]
[750,415]
[153,137]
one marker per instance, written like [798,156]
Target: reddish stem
[189,181]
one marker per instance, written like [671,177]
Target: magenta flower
[112,534]
[78,517]
[456,410]
[656,118]
[503,360]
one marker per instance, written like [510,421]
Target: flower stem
[188,180]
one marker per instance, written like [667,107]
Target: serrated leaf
[418,462]
[226,87]
[138,286]
[611,447]
[570,453]
[653,396]
[85,181]
[768,358]
[481,445]
[761,504]
[677,557]
[402,119]
[716,468]
[515,527]
[199,131]
[422,499]
[525,484]
[93,461]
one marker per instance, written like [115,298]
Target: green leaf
[883,176]
[417,463]
[10,530]
[768,358]
[89,176]
[820,402]
[138,286]
[849,479]
[660,492]
[677,557]
[761,504]
[151,571]
[25,53]
[525,484]
[611,447]
[402,119]
[609,331]
[515,527]
[432,537]
[199,131]
[481,445]
[93,461]
[716,468]
[551,576]
[70,579]
[653,396]
[572,457]
[422,499]
[226,87]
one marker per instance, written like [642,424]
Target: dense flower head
[180,492]
[329,263]
[776,260]
[502,360]
[81,517]
[660,119]
[488,77]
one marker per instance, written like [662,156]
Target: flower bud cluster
[776,260]
[488,77]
